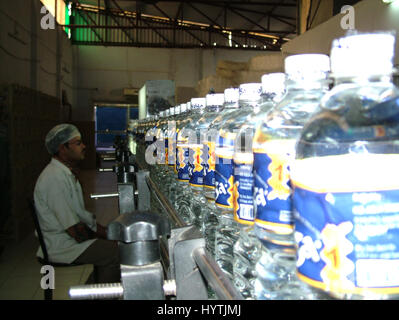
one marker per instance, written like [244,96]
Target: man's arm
[81,232]
[101,232]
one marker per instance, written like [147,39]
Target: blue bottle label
[224,174]
[347,222]
[243,188]
[166,151]
[196,170]
[209,165]
[272,187]
[182,163]
[175,163]
[172,151]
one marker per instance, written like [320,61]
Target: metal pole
[215,276]
[170,210]
[96,291]
[103,195]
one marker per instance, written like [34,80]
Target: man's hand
[81,232]
[101,232]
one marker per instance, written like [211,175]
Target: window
[112,121]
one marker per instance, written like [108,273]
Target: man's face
[75,150]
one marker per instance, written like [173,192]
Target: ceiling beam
[171,20]
[211,20]
[224,2]
[136,26]
[92,21]
[109,13]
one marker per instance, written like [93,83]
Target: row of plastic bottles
[293,181]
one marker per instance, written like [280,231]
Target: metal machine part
[215,277]
[142,238]
[190,285]
[126,199]
[142,274]
[165,204]
[138,235]
[144,194]
[130,184]
[141,271]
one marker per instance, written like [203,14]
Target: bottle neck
[253,105]
[200,110]
[306,84]
[216,108]
[197,110]
[364,79]
[231,105]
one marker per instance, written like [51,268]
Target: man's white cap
[60,134]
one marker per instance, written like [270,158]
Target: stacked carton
[232,74]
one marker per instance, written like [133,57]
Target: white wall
[30,56]
[370,15]
[103,72]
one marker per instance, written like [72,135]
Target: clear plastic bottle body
[235,231]
[227,231]
[180,189]
[230,109]
[210,211]
[196,170]
[154,137]
[247,249]
[169,179]
[274,149]
[163,169]
[200,204]
[185,135]
[352,145]
[178,122]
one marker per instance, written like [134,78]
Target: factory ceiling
[234,24]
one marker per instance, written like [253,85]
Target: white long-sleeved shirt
[59,204]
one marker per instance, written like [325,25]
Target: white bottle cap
[197,103]
[363,55]
[167,112]
[214,99]
[183,107]
[188,105]
[177,109]
[161,114]
[250,91]
[273,83]
[231,95]
[311,66]
[172,111]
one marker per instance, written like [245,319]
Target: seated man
[70,232]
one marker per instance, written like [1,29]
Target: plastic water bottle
[184,192]
[226,232]
[178,122]
[169,180]
[346,176]
[247,248]
[210,216]
[163,171]
[274,143]
[201,158]
[155,151]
